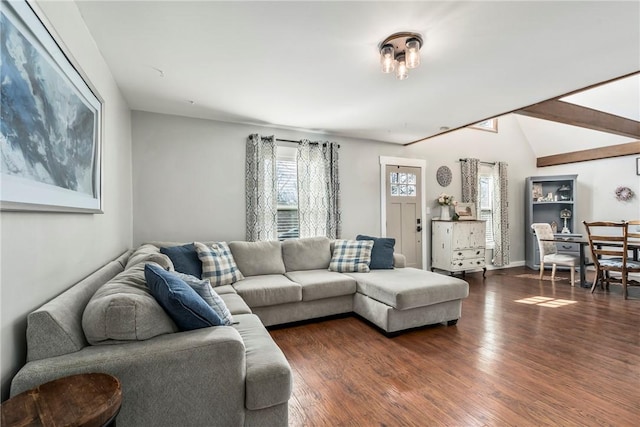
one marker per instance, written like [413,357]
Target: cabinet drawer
[467,264]
[467,254]
[568,247]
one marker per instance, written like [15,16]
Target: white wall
[189,178]
[42,254]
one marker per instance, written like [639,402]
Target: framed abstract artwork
[50,121]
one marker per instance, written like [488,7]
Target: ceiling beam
[592,154]
[577,115]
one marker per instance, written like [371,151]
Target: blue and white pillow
[187,309]
[218,264]
[351,256]
[211,297]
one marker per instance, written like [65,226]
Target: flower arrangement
[445,200]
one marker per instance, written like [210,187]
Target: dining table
[584,263]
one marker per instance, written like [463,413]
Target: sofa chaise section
[406,298]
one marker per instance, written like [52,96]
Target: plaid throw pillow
[217,264]
[351,256]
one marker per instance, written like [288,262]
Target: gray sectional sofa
[224,375]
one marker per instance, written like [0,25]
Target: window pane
[403,190]
[286,173]
[411,190]
[287,188]
[411,178]
[402,178]
[394,190]
[394,177]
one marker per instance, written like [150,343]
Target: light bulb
[413,53]
[401,69]
[386,58]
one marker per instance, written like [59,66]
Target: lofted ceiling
[314,65]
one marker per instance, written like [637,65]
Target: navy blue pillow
[382,252]
[185,259]
[187,309]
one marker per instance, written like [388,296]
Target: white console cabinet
[458,246]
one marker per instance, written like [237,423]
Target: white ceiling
[314,65]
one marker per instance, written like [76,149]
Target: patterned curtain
[500,215]
[261,190]
[318,189]
[470,183]
[334,221]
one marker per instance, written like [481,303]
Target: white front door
[404,211]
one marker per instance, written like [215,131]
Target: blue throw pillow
[382,253]
[185,259]
[187,309]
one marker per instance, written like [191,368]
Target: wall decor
[443,176]
[50,121]
[624,194]
[465,211]
[490,125]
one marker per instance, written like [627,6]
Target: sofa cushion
[185,259]
[312,253]
[235,304]
[225,289]
[319,284]
[382,252]
[258,258]
[269,380]
[123,309]
[179,300]
[218,264]
[206,292]
[271,289]
[351,256]
[407,288]
[149,253]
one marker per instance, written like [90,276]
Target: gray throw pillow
[204,289]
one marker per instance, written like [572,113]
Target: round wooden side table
[89,400]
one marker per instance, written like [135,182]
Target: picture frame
[465,211]
[490,125]
[536,191]
[51,134]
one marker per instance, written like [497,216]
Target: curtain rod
[484,163]
[299,142]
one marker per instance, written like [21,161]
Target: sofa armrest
[399,260]
[185,378]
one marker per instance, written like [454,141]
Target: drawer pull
[566,246]
[478,253]
[459,253]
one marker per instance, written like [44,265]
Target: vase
[445,214]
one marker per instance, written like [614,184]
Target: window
[486,204]
[287,185]
[403,184]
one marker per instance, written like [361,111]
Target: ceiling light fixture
[400,52]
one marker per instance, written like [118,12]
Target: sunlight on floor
[546,301]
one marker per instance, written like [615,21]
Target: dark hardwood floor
[507,363]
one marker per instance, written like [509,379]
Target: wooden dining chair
[609,242]
[549,252]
